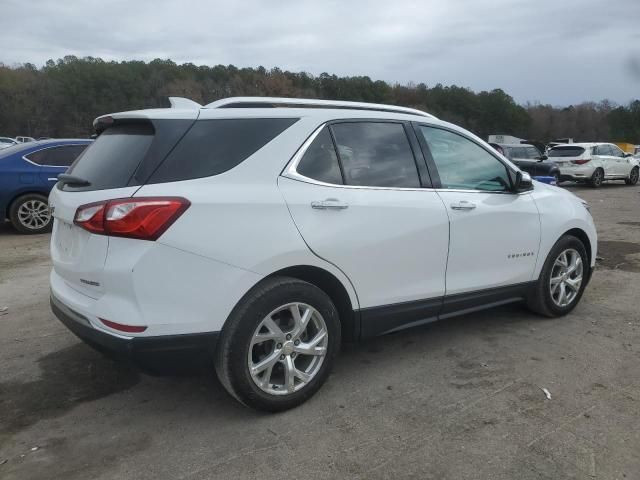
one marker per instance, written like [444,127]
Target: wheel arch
[332,286]
[584,238]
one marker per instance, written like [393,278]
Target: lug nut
[281,357]
[297,342]
[288,336]
[279,346]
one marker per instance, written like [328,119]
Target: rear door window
[59,156]
[375,154]
[320,161]
[212,147]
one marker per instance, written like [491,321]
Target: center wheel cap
[287,348]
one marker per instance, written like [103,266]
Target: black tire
[597,178]
[16,213]
[540,300]
[231,358]
[633,176]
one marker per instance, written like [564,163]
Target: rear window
[566,152]
[212,147]
[113,158]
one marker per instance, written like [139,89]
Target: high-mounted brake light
[144,218]
[581,162]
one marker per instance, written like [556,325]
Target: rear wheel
[278,345]
[562,280]
[597,178]
[30,214]
[632,179]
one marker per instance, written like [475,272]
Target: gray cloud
[553,51]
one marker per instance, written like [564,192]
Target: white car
[6,142]
[263,237]
[595,163]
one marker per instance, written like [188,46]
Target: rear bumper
[164,354]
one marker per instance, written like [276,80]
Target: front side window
[532,153]
[463,164]
[615,151]
[375,154]
[320,161]
[62,156]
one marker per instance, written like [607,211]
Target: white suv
[594,163]
[260,238]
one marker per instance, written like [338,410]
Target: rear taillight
[581,162]
[144,218]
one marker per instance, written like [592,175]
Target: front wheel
[278,345]
[632,179]
[562,280]
[30,214]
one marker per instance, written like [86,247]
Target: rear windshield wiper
[72,180]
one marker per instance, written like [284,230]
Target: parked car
[6,142]
[25,139]
[529,159]
[262,237]
[594,163]
[28,171]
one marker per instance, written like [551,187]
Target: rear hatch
[568,156]
[115,166]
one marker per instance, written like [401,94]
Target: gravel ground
[456,399]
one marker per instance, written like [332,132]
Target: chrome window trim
[24,157]
[290,171]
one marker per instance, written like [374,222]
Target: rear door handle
[329,204]
[463,205]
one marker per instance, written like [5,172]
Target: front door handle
[463,205]
[329,204]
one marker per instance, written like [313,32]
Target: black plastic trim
[390,318]
[157,355]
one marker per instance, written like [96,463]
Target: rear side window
[566,152]
[62,156]
[113,158]
[532,153]
[212,147]
[320,161]
[376,154]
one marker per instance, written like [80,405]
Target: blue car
[28,172]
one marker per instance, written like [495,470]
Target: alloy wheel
[34,214]
[566,277]
[288,349]
[633,176]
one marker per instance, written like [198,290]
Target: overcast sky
[552,51]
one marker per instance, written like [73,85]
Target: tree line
[61,98]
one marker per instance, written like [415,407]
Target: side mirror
[542,157]
[523,182]
[627,155]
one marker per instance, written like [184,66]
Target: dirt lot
[458,399]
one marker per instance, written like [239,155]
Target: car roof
[515,144]
[582,144]
[272,107]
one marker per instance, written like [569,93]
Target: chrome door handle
[463,205]
[329,204]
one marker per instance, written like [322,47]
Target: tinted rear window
[566,152]
[212,147]
[113,158]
